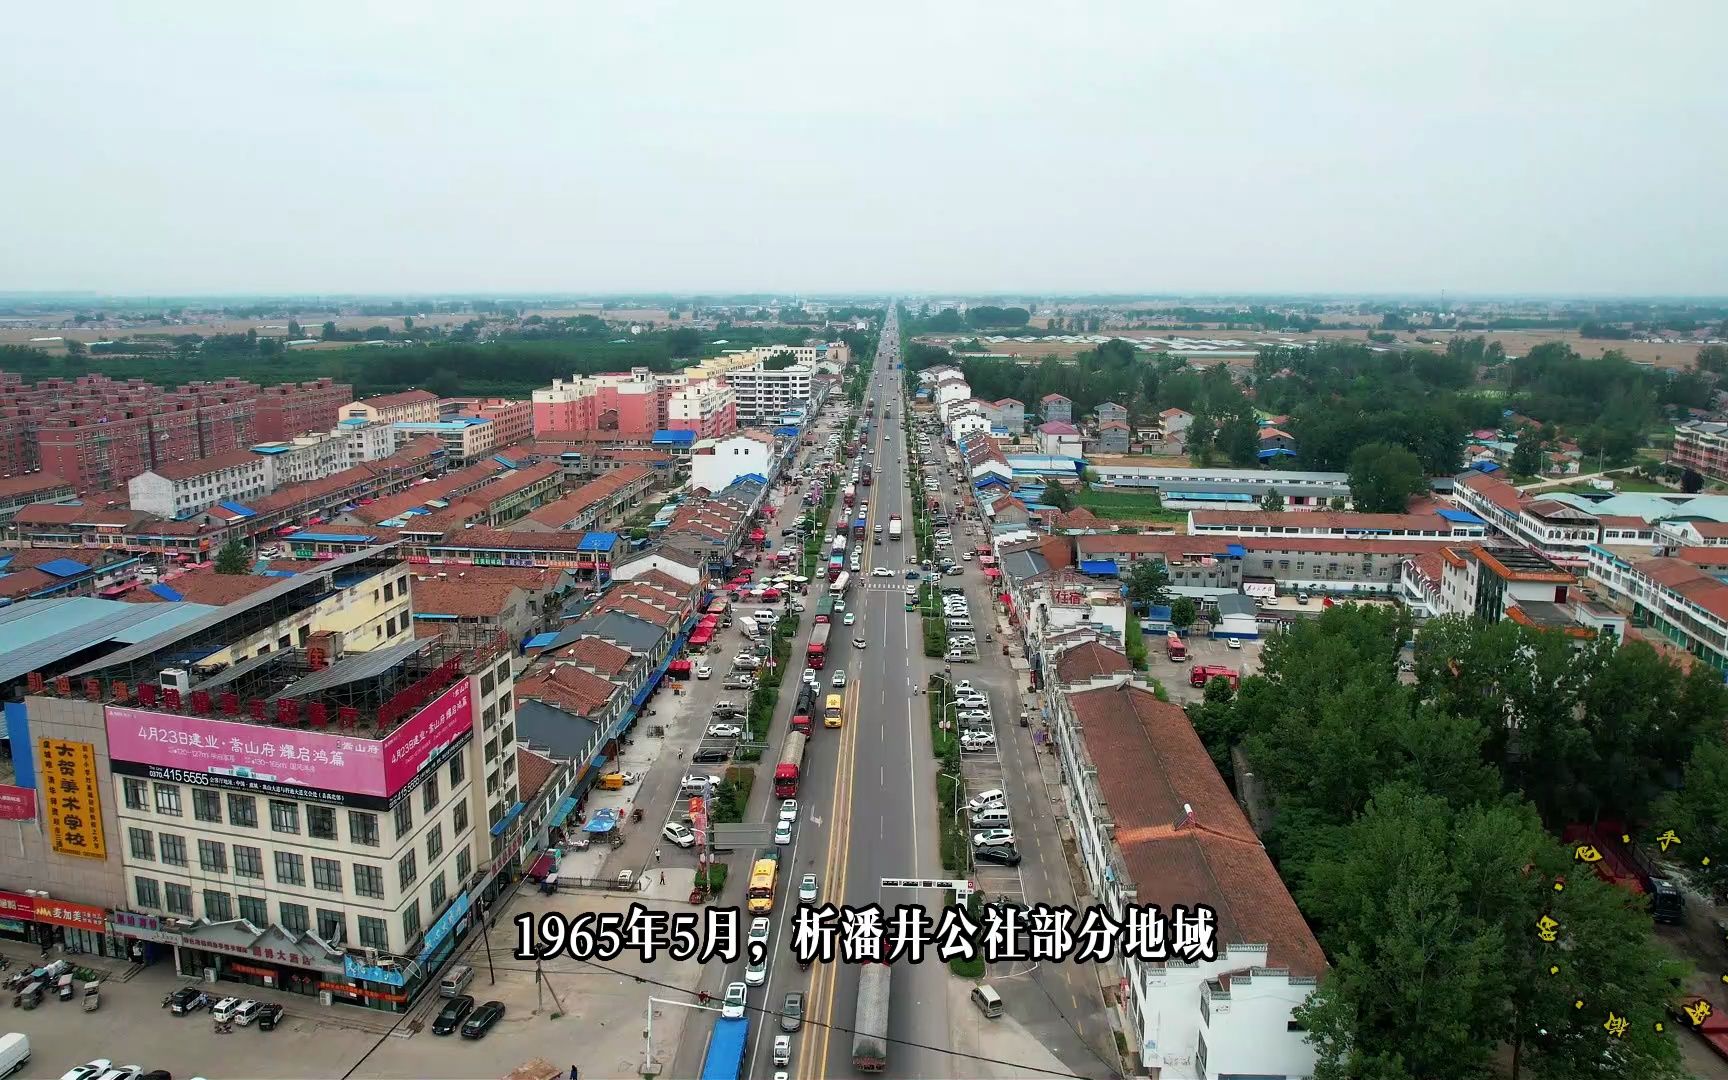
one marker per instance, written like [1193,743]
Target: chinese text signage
[17,803]
[72,806]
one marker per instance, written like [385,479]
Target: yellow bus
[762,878]
[833,712]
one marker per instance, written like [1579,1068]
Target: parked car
[703,671]
[187,1000]
[480,1021]
[1001,856]
[697,783]
[450,1017]
[724,731]
[678,834]
[1235,643]
[710,755]
[977,738]
[993,838]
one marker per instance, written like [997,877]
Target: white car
[993,797]
[810,677]
[788,808]
[90,1070]
[974,714]
[733,1008]
[972,701]
[852,616]
[994,838]
[759,930]
[724,731]
[807,889]
[964,686]
[839,678]
[856,566]
[858,643]
[745,662]
[1235,643]
[883,571]
[678,834]
[703,671]
[978,738]
[697,783]
[225,1009]
[783,831]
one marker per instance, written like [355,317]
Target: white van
[992,817]
[989,1002]
[455,980]
[14,1052]
[993,797]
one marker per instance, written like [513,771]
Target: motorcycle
[636,816]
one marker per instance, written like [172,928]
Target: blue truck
[725,1060]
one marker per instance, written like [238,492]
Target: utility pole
[486,939]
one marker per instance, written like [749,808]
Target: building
[624,407]
[1056,409]
[1108,411]
[294,409]
[365,440]
[716,463]
[407,407]
[1173,425]
[1680,598]
[466,439]
[1204,567]
[305,457]
[184,488]
[1440,525]
[17,492]
[1059,439]
[764,396]
[1276,442]
[595,504]
[1181,487]
[1702,446]
[1007,416]
[708,410]
[512,421]
[1112,438]
[1154,824]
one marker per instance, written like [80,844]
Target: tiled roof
[30,484]
[530,578]
[501,540]
[186,470]
[464,599]
[566,685]
[1077,518]
[1175,546]
[1150,765]
[1496,491]
[406,397]
[1057,427]
[1048,398]
[420,494]
[1089,661]
[597,653]
[1320,519]
[206,587]
[532,772]
[563,511]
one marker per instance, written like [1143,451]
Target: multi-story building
[183,488]
[17,492]
[716,463]
[1441,525]
[512,421]
[1056,409]
[288,410]
[94,448]
[710,410]
[1702,446]
[1154,824]
[765,395]
[330,787]
[621,406]
[1204,567]
[365,440]
[1681,597]
[1219,489]
[407,407]
[305,457]
[466,439]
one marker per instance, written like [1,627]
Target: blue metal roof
[64,568]
[598,541]
[755,478]
[166,592]
[674,438]
[1485,466]
[1267,455]
[504,461]
[37,633]
[1236,551]
[1104,567]
[328,538]
[1460,517]
[236,508]
[540,641]
[278,449]
[787,431]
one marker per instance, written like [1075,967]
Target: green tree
[1183,612]
[1527,457]
[685,342]
[1337,502]
[74,347]
[1272,502]
[1056,495]
[329,330]
[232,558]
[1698,814]
[407,323]
[1149,582]
[1384,478]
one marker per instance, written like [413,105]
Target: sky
[1147,147]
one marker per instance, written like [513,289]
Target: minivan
[989,1002]
[991,817]
[456,980]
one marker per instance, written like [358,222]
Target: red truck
[816,654]
[1627,865]
[1702,1016]
[1201,674]
[791,762]
[1174,647]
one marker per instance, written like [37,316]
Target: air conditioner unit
[372,956]
[177,679]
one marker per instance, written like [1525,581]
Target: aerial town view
[1165,541]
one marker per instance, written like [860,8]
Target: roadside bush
[747,753]
[715,877]
[733,795]
[970,968]
[935,637]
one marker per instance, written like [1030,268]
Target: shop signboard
[441,929]
[25,908]
[72,800]
[355,968]
[340,769]
[17,803]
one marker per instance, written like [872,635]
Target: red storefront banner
[59,912]
[17,803]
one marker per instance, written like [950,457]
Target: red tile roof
[1150,765]
[532,772]
[597,653]
[461,598]
[406,397]
[1318,519]
[207,587]
[561,512]
[1496,491]
[186,470]
[1089,661]
[568,686]
[30,484]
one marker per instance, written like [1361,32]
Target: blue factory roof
[664,437]
[1460,517]
[236,508]
[64,568]
[328,538]
[598,541]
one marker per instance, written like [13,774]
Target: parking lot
[1244,661]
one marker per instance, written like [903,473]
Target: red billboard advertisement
[342,769]
[17,803]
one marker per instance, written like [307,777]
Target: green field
[1127,506]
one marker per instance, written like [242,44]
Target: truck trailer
[894,527]
[791,764]
[870,1028]
[816,653]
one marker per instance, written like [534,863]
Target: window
[464,863]
[373,933]
[149,892]
[332,925]
[213,856]
[206,805]
[135,792]
[411,921]
[218,905]
[321,822]
[293,917]
[363,828]
[179,899]
[369,881]
[255,911]
[459,820]
[488,683]
[456,772]
[326,874]
[488,716]
[434,844]
[173,849]
[290,868]
[436,894]
[143,843]
[504,705]
[168,799]
[284,816]
[404,818]
[243,811]
[429,798]
[504,672]
[248,862]
[407,869]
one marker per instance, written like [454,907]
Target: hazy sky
[1532,146]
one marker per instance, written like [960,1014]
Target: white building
[763,396]
[179,489]
[1155,824]
[364,441]
[716,463]
[306,457]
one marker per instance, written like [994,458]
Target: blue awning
[63,567]
[664,437]
[566,807]
[509,816]
[1236,551]
[1101,567]
[327,538]
[540,641]
[236,508]
[165,592]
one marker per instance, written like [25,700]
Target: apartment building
[765,396]
[17,492]
[180,489]
[513,421]
[1681,597]
[466,439]
[1702,446]
[306,457]
[619,406]
[1056,409]
[407,407]
[290,409]
[716,463]
[365,440]
[709,410]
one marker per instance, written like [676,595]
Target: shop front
[236,951]
[45,922]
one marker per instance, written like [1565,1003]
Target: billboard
[72,799]
[341,769]
[17,803]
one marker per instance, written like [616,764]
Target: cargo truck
[726,1047]
[791,764]
[816,653]
[870,1028]
[1201,674]
[864,476]
[860,528]
[1174,647]
[894,527]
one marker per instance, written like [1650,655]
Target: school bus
[834,711]
[762,878]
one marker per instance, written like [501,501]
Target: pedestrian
[656,854]
[662,877]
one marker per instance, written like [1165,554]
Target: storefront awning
[542,866]
[702,635]
[566,807]
[1100,567]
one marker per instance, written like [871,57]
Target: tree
[232,558]
[74,347]
[1239,439]
[1337,502]
[1527,457]
[1272,502]
[329,330]
[1183,612]
[1056,495]
[1149,582]
[407,323]
[1698,814]
[1384,478]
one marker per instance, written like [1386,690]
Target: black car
[270,1016]
[1001,856]
[711,755]
[450,1017]
[185,1001]
[480,1021]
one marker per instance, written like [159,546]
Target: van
[960,624]
[989,1002]
[455,980]
[14,1052]
[991,817]
[612,782]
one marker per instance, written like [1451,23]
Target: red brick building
[289,410]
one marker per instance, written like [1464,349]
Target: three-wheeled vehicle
[29,997]
[63,987]
[92,996]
